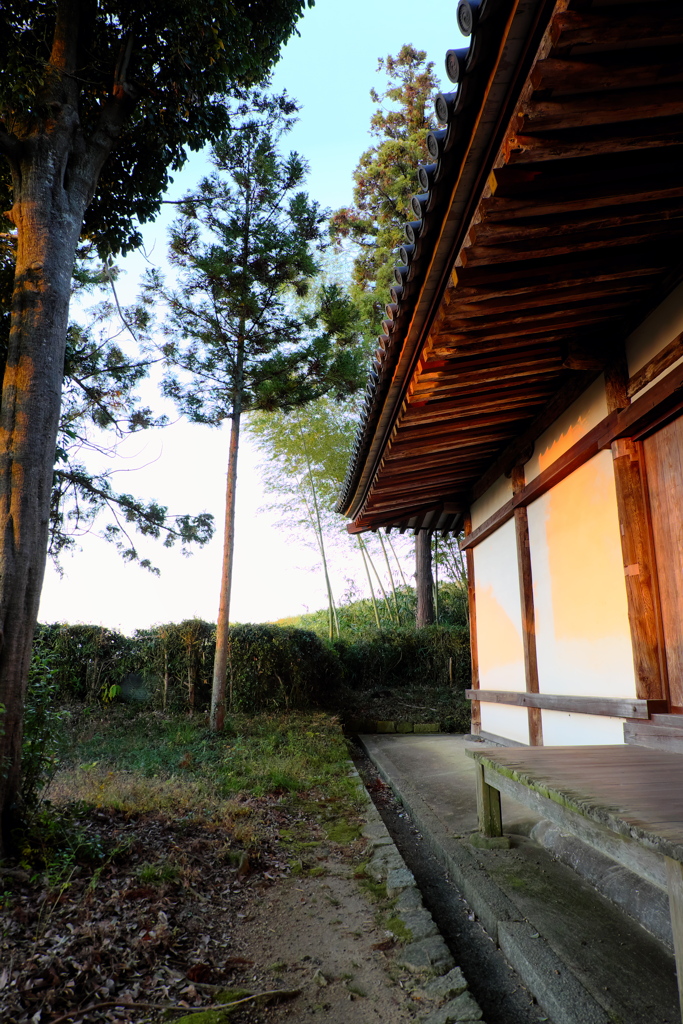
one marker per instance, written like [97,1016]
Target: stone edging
[367,725]
[442,986]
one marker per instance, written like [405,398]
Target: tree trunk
[220,664]
[48,231]
[424,584]
[55,170]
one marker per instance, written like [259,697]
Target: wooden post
[526,594]
[674,875]
[636,546]
[488,806]
[472,607]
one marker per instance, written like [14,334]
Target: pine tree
[236,341]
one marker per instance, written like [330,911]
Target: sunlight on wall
[582,631]
[584,414]
[497,494]
[499,616]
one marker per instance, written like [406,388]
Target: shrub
[280,668]
[87,661]
[395,657]
[271,667]
[43,737]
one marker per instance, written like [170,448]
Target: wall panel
[499,614]
[582,632]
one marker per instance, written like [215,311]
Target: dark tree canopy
[156,74]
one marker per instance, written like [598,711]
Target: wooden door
[664,463]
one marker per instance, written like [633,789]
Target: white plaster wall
[583,639]
[499,613]
[505,720]
[662,325]
[584,414]
[565,729]
[491,501]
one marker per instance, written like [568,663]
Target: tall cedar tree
[236,339]
[386,174]
[386,180]
[97,102]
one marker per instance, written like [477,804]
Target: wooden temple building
[528,388]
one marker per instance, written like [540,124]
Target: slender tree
[97,103]
[236,341]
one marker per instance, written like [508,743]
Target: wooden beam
[506,208]
[526,596]
[614,707]
[649,24]
[638,570]
[487,255]
[647,411]
[652,369]
[472,607]
[601,72]
[602,140]
[602,108]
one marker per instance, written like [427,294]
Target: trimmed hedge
[271,668]
[402,656]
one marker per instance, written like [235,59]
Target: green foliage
[275,668]
[271,668]
[386,174]
[44,722]
[242,249]
[257,754]
[58,843]
[393,658]
[100,394]
[306,452]
[85,661]
[163,69]
[357,618]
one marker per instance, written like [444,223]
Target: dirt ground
[321,935]
[174,919]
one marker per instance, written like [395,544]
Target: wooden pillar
[424,582]
[526,596]
[471,603]
[488,805]
[637,548]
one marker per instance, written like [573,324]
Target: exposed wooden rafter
[575,232]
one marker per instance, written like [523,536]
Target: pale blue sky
[330,69]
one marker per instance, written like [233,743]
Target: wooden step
[673,721]
[661,732]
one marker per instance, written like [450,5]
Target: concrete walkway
[584,959]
